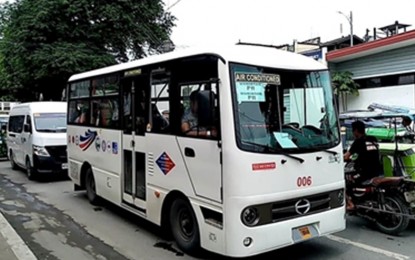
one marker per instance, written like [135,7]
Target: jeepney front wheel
[184,226]
[30,171]
[90,186]
[12,162]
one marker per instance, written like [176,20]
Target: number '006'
[304,181]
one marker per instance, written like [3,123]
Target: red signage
[263,166]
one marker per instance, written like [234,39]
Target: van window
[16,124]
[29,120]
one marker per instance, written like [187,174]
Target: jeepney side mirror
[206,108]
[4,128]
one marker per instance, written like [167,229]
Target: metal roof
[254,55]
[373,47]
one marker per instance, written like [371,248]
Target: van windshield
[50,122]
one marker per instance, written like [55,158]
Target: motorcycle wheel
[392,224]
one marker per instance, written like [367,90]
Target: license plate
[304,233]
[64,166]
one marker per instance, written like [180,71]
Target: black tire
[91,187]
[12,162]
[391,224]
[30,171]
[184,227]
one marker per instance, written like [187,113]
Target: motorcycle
[386,201]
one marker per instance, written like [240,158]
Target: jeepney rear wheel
[184,226]
[91,187]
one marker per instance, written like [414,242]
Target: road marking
[20,249]
[368,248]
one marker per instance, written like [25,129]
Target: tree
[44,42]
[344,85]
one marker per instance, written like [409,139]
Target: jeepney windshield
[283,110]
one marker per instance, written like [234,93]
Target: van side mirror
[206,108]
[27,128]
[4,127]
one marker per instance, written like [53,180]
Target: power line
[172,5]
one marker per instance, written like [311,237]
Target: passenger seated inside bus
[82,115]
[166,114]
[190,125]
[160,123]
[105,113]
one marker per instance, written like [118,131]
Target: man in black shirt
[366,148]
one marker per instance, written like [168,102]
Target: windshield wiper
[269,148]
[325,150]
[330,152]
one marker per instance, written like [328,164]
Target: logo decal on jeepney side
[98,143]
[104,145]
[87,139]
[165,163]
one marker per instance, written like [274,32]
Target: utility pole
[350,20]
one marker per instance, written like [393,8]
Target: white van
[36,137]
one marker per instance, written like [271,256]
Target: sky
[205,22]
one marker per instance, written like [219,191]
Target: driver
[366,148]
[190,120]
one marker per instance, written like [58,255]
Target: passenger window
[105,113]
[200,110]
[160,107]
[105,86]
[79,112]
[29,120]
[138,101]
[80,89]
[16,124]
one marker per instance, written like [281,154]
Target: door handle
[189,152]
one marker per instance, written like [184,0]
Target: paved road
[58,223]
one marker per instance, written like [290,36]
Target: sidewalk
[12,247]
[6,250]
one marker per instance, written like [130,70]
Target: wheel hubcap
[91,184]
[389,219]
[186,223]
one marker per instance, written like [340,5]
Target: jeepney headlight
[250,216]
[40,151]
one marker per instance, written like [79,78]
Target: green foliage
[44,42]
[343,83]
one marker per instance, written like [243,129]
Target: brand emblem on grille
[302,207]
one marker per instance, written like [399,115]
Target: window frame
[90,98]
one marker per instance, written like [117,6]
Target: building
[318,50]
[384,68]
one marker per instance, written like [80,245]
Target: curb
[17,245]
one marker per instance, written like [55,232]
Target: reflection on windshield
[284,110]
[50,122]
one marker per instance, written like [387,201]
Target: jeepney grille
[286,210]
[59,153]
